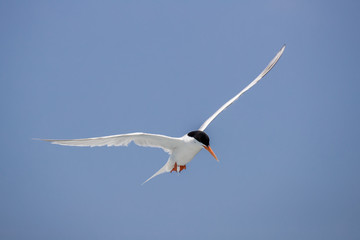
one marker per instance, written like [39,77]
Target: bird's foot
[174,169]
[182,168]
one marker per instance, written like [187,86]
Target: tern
[181,149]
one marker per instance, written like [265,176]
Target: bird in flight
[181,149]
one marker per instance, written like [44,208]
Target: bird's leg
[174,169]
[182,167]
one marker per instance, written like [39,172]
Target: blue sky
[289,148]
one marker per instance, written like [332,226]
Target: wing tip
[45,140]
[283,48]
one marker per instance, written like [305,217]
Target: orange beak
[211,151]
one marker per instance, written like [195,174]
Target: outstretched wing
[141,139]
[231,101]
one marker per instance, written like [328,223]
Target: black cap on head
[200,136]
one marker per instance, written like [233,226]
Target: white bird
[182,149]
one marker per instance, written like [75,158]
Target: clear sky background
[289,148]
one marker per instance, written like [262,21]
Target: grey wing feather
[141,139]
[231,101]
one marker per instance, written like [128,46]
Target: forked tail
[166,168]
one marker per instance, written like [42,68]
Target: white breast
[186,151]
